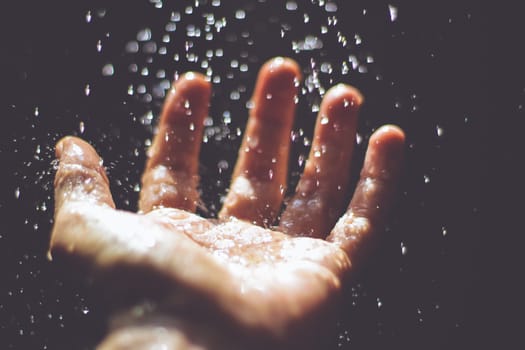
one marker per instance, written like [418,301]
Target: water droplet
[87,90]
[36,112]
[17,192]
[439,130]
[88,17]
[291,5]
[108,70]
[393,12]
[324,120]
[444,231]
[240,14]
[330,7]
[426,178]
[144,34]
[99,45]
[404,249]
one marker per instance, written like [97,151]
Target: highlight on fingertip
[343,96]
[388,135]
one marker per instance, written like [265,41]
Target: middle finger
[260,174]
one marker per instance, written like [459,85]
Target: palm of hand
[267,280]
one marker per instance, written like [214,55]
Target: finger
[80,176]
[320,194]
[259,177]
[171,175]
[373,195]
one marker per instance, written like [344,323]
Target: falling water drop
[108,70]
[439,130]
[393,12]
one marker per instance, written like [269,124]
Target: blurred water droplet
[17,192]
[87,90]
[324,120]
[88,17]
[240,14]
[108,70]
[444,231]
[81,127]
[144,34]
[330,7]
[426,178]
[291,5]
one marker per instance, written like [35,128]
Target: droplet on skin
[324,120]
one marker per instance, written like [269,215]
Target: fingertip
[189,95]
[192,83]
[283,65]
[389,136]
[280,75]
[74,150]
[342,97]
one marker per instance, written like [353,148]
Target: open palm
[272,282]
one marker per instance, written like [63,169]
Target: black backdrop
[99,70]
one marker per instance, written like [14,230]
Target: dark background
[424,70]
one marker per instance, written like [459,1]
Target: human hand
[274,283]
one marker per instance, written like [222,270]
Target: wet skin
[236,281]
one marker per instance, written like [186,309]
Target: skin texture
[177,280]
